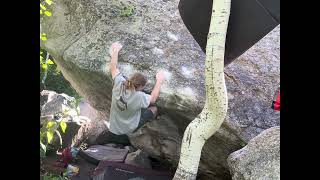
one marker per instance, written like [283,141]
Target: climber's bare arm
[113,65]
[115,48]
[156,90]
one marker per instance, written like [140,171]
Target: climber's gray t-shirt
[126,121]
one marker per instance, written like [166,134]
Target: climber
[130,106]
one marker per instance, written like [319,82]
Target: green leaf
[49,136]
[41,52]
[50,61]
[51,124]
[42,7]
[43,147]
[48,13]
[59,135]
[63,126]
[41,11]
[44,66]
[43,38]
[49,2]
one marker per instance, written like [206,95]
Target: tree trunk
[215,109]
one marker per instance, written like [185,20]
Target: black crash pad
[107,170]
[94,154]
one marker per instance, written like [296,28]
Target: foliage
[51,75]
[127,11]
[49,176]
[43,36]
[47,132]
[44,8]
[45,63]
[49,69]
[55,80]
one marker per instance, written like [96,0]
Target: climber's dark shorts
[108,137]
[146,115]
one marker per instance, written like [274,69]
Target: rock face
[260,159]
[80,33]
[57,104]
[252,81]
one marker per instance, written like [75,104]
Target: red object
[276,103]
[66,155]
[65,158]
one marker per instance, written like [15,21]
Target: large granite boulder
[260,159]
[80,33]
[252,81]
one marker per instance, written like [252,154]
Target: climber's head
[136,82]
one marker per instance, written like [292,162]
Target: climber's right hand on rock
[115,48]
[160,76]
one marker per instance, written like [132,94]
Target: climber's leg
[107,137]
[147,115]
